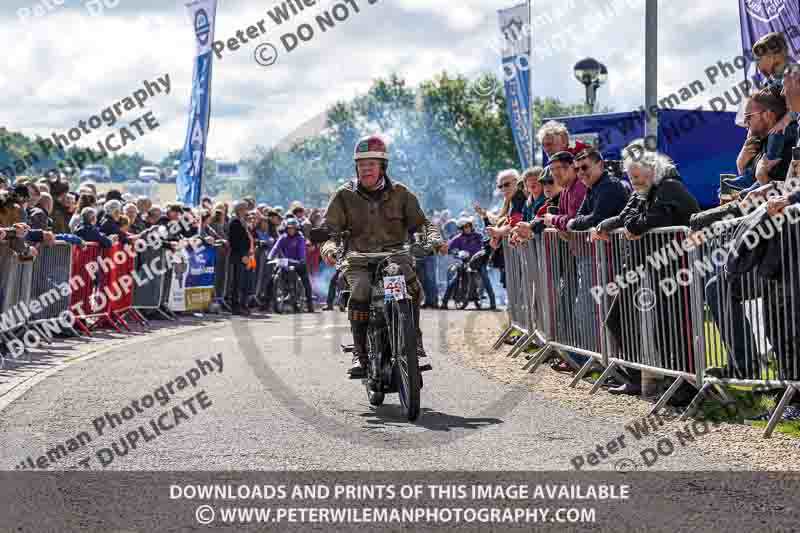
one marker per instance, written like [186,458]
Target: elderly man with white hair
[110,224]
[553,136]
[660,199]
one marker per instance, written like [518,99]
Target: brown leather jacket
[377,222]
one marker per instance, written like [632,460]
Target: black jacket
[239,239]
[667,204]
[604,200]
[110,227]
[761,246]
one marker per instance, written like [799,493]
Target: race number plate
[394,288]
[283,262]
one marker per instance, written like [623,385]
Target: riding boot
[359,325]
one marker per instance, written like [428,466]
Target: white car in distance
[150,174]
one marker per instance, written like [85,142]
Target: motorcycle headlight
[291,268]
[463,254]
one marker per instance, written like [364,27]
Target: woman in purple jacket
[292,245]
[471,242]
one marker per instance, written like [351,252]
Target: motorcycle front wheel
[462,292]
[403,342]
[279,298]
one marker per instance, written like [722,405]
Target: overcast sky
[67,65]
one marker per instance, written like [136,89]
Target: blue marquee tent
[703,144]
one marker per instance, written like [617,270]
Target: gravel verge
[740,444]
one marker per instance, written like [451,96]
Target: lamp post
[591,74]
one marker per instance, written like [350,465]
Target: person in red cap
[380,214]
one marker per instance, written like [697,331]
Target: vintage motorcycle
[287,287]
[392,335]
[469,284]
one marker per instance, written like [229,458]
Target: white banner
[514,30]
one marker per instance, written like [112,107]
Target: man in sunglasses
[765,155]
[605,195]
[573,191]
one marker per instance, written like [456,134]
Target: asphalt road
[282,402]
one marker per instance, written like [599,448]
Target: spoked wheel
[477,290]
[300,295]
[403,341]
[374,343]
[280,296]
[462,292]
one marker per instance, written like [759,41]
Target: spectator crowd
[578,191]
[574,192]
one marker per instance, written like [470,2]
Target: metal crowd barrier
[524,309]
[649,313]
[98,298]
[50,286]
[15,294]
[518,315]
[122,284]
[148,295]
[84,285]
[708,314]
[569,269]
[221,277]
[750,333]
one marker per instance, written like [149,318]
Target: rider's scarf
[381,184]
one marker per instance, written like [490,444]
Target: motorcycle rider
[292,245]
[471,242]
[379,214]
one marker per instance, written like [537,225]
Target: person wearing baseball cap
[552,191]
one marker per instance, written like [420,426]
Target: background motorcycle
[287,287]
[469,284]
